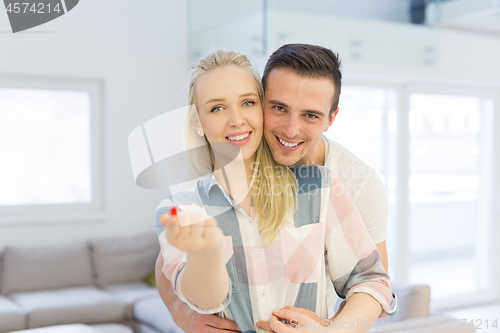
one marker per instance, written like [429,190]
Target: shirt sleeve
[354,260]
[174,261]
[372,206]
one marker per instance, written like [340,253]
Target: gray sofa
[95,282]
[102,282]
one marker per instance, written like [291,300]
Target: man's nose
[291,127]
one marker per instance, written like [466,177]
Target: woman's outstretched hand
[299,319]
[196,233]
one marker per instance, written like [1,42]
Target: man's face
[296,113]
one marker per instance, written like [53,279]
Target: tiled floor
[484,317]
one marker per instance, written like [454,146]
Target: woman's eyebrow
[214,100]
[248,94]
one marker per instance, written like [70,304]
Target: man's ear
[197,126]
[332,118]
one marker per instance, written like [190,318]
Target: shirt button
[258,254]
[264,294]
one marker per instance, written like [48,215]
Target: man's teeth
[286,144]
[238,137]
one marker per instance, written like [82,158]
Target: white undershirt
[367,192]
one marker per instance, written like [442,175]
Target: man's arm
[383,252]
[186,318]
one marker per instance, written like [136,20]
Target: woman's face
[229,109]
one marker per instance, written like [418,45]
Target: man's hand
[293,313]
[191,321]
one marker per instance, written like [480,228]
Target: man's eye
[216,109]
[279,108]
[311,116]
[248,103]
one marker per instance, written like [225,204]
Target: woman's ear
[197,127]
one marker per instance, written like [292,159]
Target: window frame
[74,212]
[403,88]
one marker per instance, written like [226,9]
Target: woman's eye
[216,109]
[248,103]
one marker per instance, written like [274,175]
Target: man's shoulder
[336,154]
[348,167]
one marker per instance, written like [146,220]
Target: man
[302,86]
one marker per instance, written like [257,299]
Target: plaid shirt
[291,271]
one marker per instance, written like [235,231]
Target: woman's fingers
[196,231]
[172,226]
[213,234]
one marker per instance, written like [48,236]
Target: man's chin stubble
[284,159]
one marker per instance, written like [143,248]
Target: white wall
[138,49]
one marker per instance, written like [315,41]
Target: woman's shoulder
[187,197]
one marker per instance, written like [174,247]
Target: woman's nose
[236,117]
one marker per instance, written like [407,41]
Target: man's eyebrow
[317,113]
[314,112]
[214,100]
[275,102]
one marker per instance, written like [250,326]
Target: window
[50,148]
[433,149]
[450,177]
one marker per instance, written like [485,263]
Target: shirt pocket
[302,250]
[230,263]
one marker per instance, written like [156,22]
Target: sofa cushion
[121,260]
[12,318]
[40,268]
[112,328]
[130,293]
[2,250]
[413,301]
[73,328]
[428,324]
[86,305]
[143,328]
[154,313]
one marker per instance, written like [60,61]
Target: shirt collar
[209,182]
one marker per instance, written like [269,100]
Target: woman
[252,235]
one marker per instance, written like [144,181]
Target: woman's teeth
[238,137]
[286,144]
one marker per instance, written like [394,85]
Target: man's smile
[288,145]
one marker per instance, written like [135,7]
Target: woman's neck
[236,176]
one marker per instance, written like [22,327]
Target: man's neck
[316,156]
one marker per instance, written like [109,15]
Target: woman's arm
[186,318]
[202,280]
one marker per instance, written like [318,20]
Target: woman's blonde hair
[274,186]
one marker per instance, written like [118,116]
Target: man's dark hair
[310,61]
